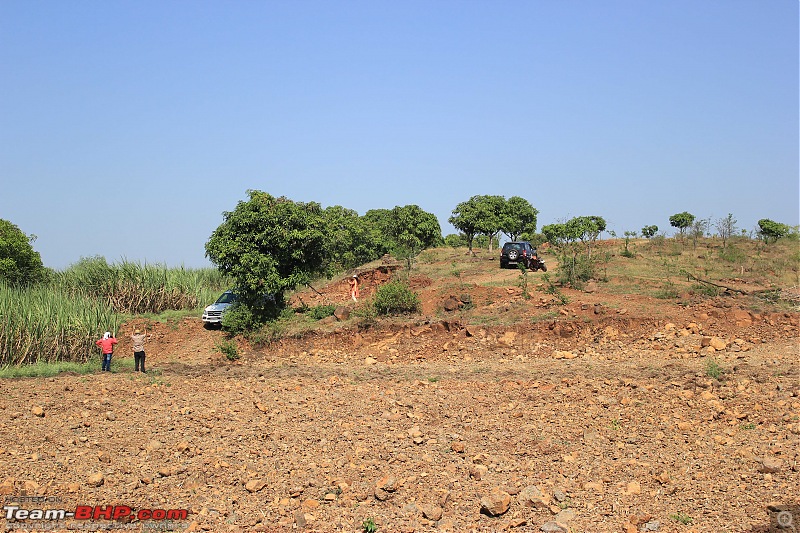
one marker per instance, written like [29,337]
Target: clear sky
[128,127]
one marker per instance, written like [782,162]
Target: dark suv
[522,252]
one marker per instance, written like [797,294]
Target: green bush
[227,348]
[240,319]
[732,254]
[268,333]
[668,291]
[395,298]
[713,369]
[318,312]
[704,289]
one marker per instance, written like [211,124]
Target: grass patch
[682,518]
[713,369]
[318,312]
[227,348]
[668,291]
[368,526]
[545,317]
[46,370]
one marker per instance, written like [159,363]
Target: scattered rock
[478,472]
[554,527]
[496,502]
[508,338]
[95,480]
[532,496]
[633,488]
[431,512]
[37,411]
[255,485]
[451,304]
[771,465]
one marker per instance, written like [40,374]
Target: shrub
[705,289]
[319,312]
[668,291]
[227,348]
[713,369]
[267,334]
[240,318]
[369,526]
[395,298]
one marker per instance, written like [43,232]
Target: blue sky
[128,127]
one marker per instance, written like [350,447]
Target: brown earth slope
[606,413]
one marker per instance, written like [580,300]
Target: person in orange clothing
[353,282]
[106,345]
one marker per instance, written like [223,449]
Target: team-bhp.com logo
[120,513]
[784,518]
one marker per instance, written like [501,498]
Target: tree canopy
[518,217]
[649,231]
[351,239]
[771,230]
[490,214]
[408,227]
[682,221]
[270,245]
[20,264]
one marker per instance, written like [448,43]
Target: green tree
[411,227]
[350,241]
[699,228]
[726,227]
[649,231]
[518,217]
[682,221]
[480,215]
[564,240]
[628,236]
[569,239]
[270,245]
[379,224]
[413,230]
[20,264]
[465,219]
[769,229]
[586,230]
[455,240]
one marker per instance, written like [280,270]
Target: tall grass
[60,320]
[40,324]
[130,287]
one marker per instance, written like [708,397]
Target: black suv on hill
[522,252]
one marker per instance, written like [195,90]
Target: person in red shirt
[106,344]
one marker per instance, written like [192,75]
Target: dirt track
[603,417]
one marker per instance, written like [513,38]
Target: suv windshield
[226,298]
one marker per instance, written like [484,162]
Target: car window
[226,298]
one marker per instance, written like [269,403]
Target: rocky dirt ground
[610,413]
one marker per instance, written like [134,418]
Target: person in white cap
[106,345]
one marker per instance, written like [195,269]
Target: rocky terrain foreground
[623,415]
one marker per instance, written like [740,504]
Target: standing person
[353,287]
[106,344]
[138,349]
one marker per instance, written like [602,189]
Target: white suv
[213,313]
